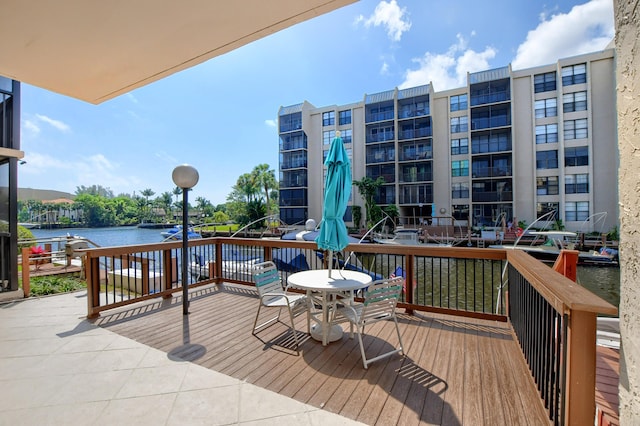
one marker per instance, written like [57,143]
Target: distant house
[56,209]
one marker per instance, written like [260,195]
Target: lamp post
[185,177]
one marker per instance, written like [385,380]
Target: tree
[393,212]
[146,193]
[367,188]
[94,190]
[165,201]
[265,178]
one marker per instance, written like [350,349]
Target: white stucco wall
[627,14]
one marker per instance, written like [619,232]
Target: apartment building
[510,144]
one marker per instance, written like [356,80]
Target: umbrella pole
[330,261]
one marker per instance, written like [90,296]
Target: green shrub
[24,234]
[41,286]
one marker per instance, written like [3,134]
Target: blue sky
[220,116]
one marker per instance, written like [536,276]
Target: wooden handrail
[580,307]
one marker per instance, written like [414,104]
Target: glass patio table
[323,291]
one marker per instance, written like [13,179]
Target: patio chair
[269,284]
[380,301]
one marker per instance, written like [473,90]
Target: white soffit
[95,50]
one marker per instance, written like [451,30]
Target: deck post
[581,368]
[26,270]
[567,264]
[93,286]
[409,284]
[218,274]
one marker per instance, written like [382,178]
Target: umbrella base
[335,333]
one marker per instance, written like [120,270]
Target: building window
[346,136]
[547,133]
[459,124]
[460,211]
[328,118]
[544,208]
[460,168]
[459,146]
[575,129]
[576,101]
[547,159]
[576,184]
[547,185]
[458,103]
[492,141]
[546,108]
[576,156]
[328,136]
[576,211]
[544,82]
[460,190]
[574,74]
[344,117]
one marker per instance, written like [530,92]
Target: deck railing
[553,318]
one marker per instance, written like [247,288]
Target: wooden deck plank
[442,379]
[419,375]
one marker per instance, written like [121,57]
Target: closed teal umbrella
[333,235]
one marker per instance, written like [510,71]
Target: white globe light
[310,225]
[185,176]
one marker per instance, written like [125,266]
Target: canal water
[603,281]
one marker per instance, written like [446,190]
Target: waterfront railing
[553,319]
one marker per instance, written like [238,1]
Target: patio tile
[154,381]
[87,387]
[68,415]
[115,359]
[218,406]
[256,403]
[198,377]
[30,392]
[30,347]
[145,410]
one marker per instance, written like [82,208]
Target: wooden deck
[456,370]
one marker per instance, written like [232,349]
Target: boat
[29,225]
[176,233]
[555,241]
[401,236]
[409,237]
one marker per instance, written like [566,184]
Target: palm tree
[165,201]
[246,186]
[265,178]
[146,193]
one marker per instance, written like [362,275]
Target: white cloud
[271,123]
[132,98]
[30,126]
[586,28]
[384,69]
[391,17]
[448,70]
[169,159]
[73,172]
[63,127]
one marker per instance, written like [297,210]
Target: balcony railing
[553,319]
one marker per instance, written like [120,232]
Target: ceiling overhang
[95,50]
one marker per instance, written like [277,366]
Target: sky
[221,116]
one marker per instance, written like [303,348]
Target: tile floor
[56,368]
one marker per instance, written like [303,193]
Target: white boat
[408,237]
[555,241]
[28,225]
[401,236]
